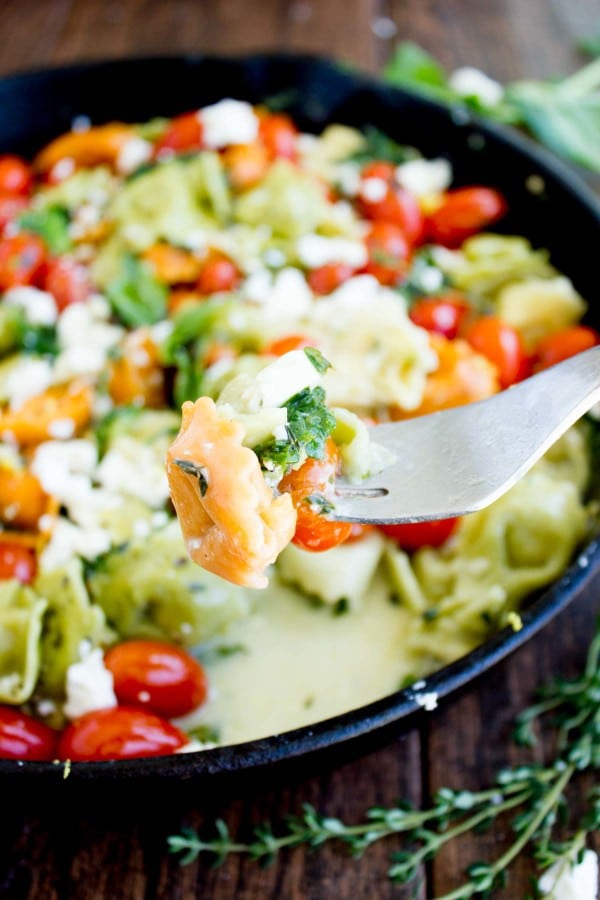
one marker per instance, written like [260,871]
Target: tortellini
[21,613]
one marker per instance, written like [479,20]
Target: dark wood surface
[116,850]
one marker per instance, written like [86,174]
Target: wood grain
[116,850]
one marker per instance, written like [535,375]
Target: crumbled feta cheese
[423,177]
[62,428]
[45,707]
[274,257]
[228,122]
[427,701]
[373,189]
[85,319]
[133,154]
[161,331]
[63,169]
[346,177]
[70,540]
[38,306]
[89,686]
[284,377]
[578,881]
[136,469]
[258,286]
[314,250]
[470,82]
[25,379]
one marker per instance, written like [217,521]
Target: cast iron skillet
[564,217]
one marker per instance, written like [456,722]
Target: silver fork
[460,460]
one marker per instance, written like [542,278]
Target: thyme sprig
[534,795]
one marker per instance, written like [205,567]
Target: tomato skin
[119,733]
[11,207]
[398,207]
[287,343]
[16,176]
[22,737]
[412,535]
[503,346]
[279,135]
[22,259]
[441,315]
[157,676]
[327,278]
[389,253]
[314,532]
[67,281]
[218,274]
[183,133]
[17,561]
[462,213]
[379,168]
[564,344]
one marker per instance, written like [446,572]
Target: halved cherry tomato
[503,346]
[16,176]
[462,213]
[11,207]
[379,168]
[183,133]
[173,265]
[119,733]
[398,207]
[560,346]
[22,499]
[157,676]
[22,737]
[411,536]
[67,281]
[246,164]
[17,561]
[22,258]
[442,315]
[314,531]
[287,343]
[218,274]
[389,253]
[327,278]
[279,135]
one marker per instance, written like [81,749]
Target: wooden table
[112,852]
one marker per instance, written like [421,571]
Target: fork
[460,460]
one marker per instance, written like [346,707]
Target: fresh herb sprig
[562,114]
[534,794]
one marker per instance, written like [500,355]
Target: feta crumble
[133,154]
[423,177]
[470,82]
[89,686]
[26,379]
[314,250]
[228,122]
[38,306]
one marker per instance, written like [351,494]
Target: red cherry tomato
[389,253]
[15,176]
[314,531]
[22,258]
[464,212]
[157,676]
[502,345]
[287,343]
[17,561]
[327,278]
[119,733]
[413,535]
[11,207]
[563,344]
[400,208]
[67,281]
[183,133]
[279,135]
[379,168]
[22,737]
[442,315]
[218,274]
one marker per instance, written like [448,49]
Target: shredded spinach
[309,425]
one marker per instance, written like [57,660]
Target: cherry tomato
[11,206]
[218,274]
[314,531]
[287,343]
[279,135]
[15,176]
[22,258]
[502,345]
[183,133]
[22,737]
[400,208]
[119,733]
[563,344]
[17,561]
[379,168]
[157,676]
[411,536]
[67,281]
[442,315]
[389,253]
[327,278]
[462,213]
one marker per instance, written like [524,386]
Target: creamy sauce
[302,663]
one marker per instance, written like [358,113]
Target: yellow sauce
[302,663]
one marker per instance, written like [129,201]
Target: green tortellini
[21,614]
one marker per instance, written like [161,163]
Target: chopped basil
[317,359]
[51,224]
[309,425]
[136,296]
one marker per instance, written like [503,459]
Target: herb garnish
[309,424]
[51,224]
[136,296]
[535,792]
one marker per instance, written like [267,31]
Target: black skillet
[564,217]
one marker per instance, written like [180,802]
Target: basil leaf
[317,359]
[136,296]
[51,224]
[309,425]
[411,66]
[193,321]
